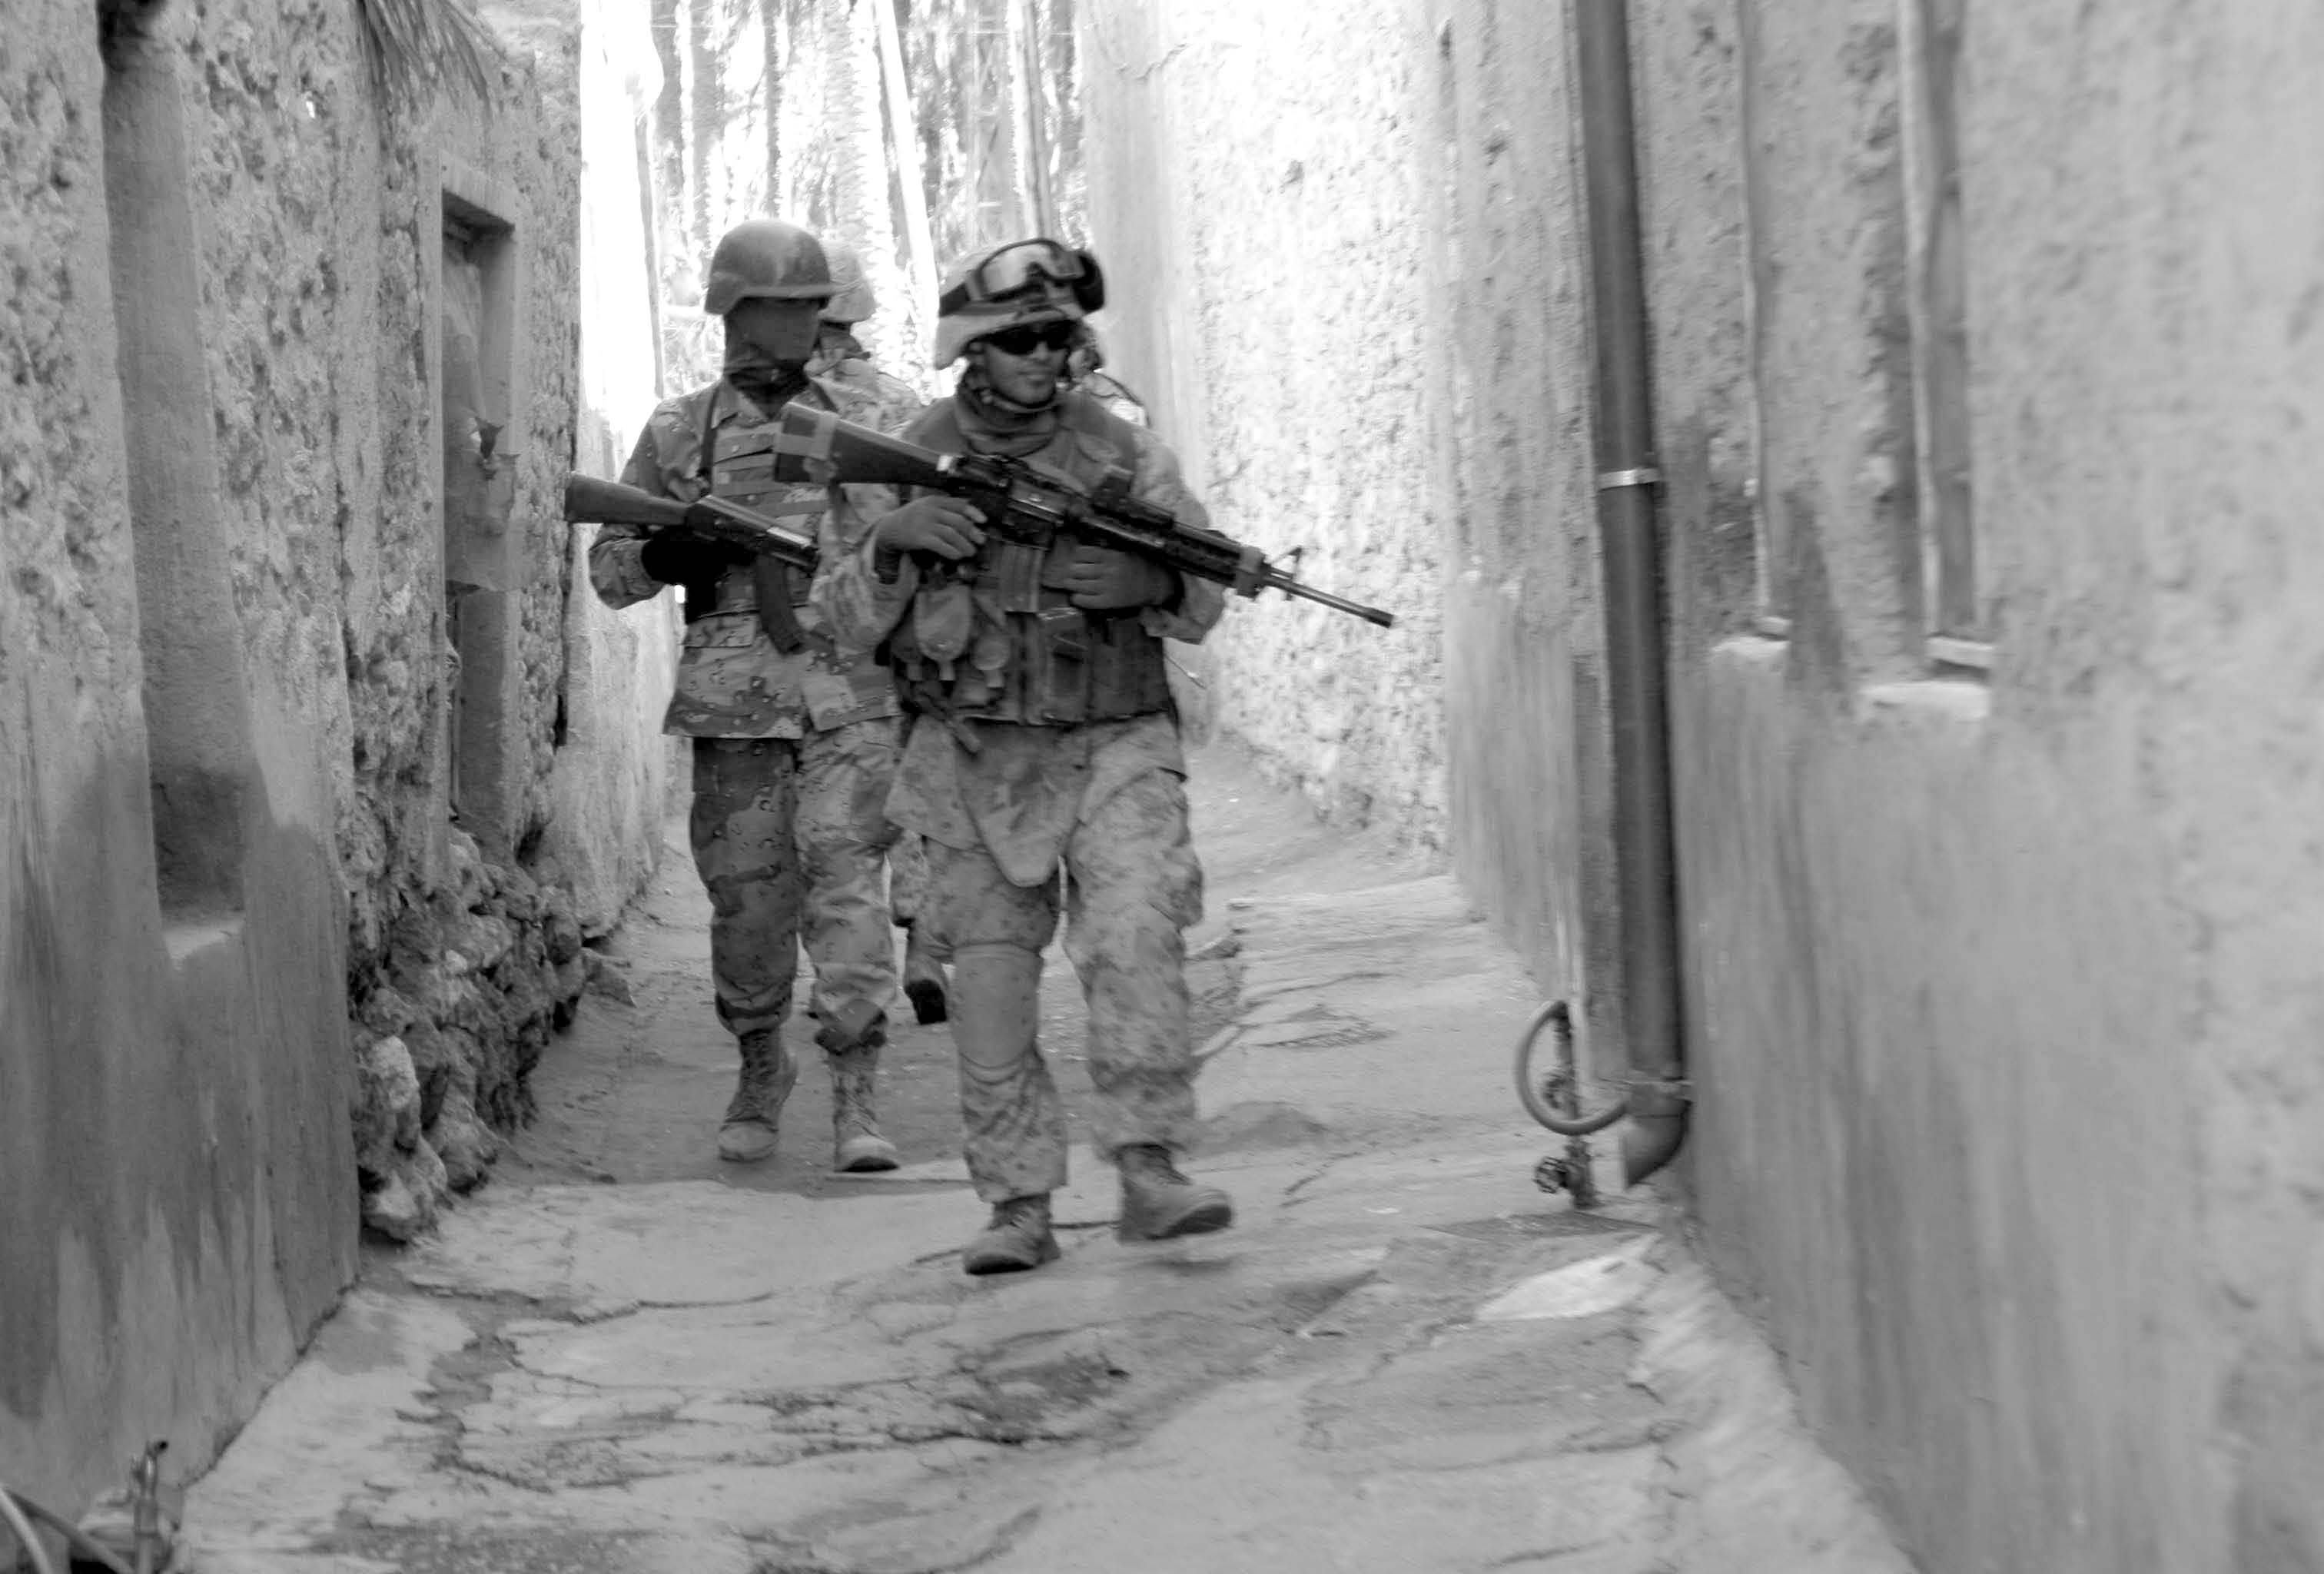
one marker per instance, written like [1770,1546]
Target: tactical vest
[737,462]
[997,638]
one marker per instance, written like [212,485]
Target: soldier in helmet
[838,353]
[841,356]
[1058,756]
[794,733]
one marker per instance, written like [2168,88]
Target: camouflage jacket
[852,600]
[1028,788]
[731,680]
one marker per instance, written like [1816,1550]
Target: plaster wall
[613,774]
[2005,995]
[1509,407]
[177,1188]
[1270,148]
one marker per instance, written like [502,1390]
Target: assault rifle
[591,502]
[1021,504]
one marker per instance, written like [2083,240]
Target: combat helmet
[854,301]
[766,259]
[1022,282]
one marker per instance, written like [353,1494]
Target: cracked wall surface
[197,1102]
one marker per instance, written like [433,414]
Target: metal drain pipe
[1630,556]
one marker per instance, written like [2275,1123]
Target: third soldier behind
[839,356]
[794,735]
[1052,664]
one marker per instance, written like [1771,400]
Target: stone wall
[2003,994]
[235,905]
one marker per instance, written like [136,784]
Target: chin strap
[997,407]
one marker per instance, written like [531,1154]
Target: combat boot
[856,1144]
[1017,1237]
[923,980]
[1158,1203]
[748,1134]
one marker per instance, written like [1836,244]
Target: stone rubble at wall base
[449,1022]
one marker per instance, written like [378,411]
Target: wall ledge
[1964,701]
[1752,652]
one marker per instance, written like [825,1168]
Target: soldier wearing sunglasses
[1055,783]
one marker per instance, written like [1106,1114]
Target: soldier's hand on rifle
[943,525]
[680,557]
[1101,580]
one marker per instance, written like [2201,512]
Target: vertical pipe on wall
[1629,555]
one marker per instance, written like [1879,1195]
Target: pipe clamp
[1615,480]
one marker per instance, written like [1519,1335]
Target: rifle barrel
[1290,586]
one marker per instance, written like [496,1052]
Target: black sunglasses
[1024,339]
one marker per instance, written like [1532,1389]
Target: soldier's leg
[1013,1121]
[843,834]
[924,958]
[1135,885]
[740,828]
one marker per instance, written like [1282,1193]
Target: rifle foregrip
[590,501]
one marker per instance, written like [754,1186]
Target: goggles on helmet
[1027,265]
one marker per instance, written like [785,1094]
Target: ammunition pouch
[998,636]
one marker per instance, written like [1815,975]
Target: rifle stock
[817,447]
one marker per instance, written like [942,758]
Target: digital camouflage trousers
[908,885]
[790,836]
[1131,886]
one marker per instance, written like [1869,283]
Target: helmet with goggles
[1022,284]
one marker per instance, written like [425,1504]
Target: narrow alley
[568,567]
[624,1356]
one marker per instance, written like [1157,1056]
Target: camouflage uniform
[794,752]
[839,356]
[1100,803]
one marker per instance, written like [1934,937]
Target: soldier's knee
[969,901]
[1009,918]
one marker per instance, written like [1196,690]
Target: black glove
[684,558]
[1105,581]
